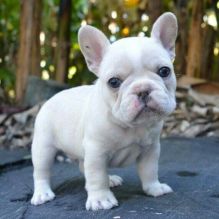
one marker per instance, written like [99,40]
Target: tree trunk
[155,9]
[181,44]
[63,41]
[209,37]
[35,44]
[24,52]
[28,52]
[195,40]
[215,68]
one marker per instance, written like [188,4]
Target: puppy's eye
[114,82]
[164,72]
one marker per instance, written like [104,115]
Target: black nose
[143,96]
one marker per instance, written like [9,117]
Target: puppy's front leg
[97,180]
[147,165]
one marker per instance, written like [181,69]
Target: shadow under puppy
[116,121]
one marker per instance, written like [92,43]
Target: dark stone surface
[39,90]
[189,166]
[11,157]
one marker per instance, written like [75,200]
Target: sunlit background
[116,19]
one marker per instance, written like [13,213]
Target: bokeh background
[40,56]
[40,37]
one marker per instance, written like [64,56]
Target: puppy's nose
[143,96]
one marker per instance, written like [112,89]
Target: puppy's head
[136,74]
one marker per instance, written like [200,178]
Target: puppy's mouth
[147,110]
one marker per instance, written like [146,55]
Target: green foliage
[7,78]
[82,76]
[9,23]
[79,10]
[127,22]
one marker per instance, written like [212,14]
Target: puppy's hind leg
[43,154]
[115,180]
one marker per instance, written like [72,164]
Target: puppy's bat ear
[165,30]
[93,44]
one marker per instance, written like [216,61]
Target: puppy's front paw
[101,200]
[40,197]
[115,180]
[157,189]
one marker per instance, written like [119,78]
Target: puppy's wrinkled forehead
[133,55]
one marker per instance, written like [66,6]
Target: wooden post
[182,39]
[209,37]
[195,40]
[155,9]
[24,51]
[28,61]
[35,41]
[63,41]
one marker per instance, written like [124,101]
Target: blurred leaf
[7,78]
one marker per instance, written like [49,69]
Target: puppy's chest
[138,137]
[126,151]
[124,156]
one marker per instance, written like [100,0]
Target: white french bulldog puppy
[116,121]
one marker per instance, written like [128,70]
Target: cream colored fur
[102,127]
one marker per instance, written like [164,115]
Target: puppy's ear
[93,44]
[165,30]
